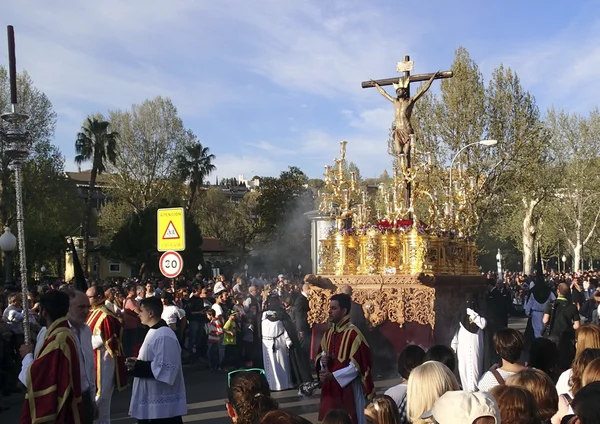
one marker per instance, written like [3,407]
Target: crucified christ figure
[403,107]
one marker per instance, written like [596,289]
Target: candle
[402,161]
[448,209]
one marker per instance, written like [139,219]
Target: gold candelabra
[341,198]
[383,235]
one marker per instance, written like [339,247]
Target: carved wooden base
[427,300]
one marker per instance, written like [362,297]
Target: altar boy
[158,394]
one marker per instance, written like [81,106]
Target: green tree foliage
[135,242]
[285,231]
[151,139]
[235,224]
[40,125]
[97,144]
[193,166]
[52,212]
[466,112]
[51,208]
[574,145]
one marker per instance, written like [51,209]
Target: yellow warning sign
[171,230]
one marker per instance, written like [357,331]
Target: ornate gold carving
[397,298]
[411,253]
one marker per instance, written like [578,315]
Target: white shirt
[562,385]
[218,310]
[488,381]
[171,314]
[14,316]
[87,369]
[397,392]
[112,307]
[164,395]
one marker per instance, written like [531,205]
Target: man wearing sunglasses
[344,364]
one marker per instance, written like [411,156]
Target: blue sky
[266,83]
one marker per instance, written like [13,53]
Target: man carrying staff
[108,352]
[53,379]
[79,308]
[344,364]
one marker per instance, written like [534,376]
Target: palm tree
[194,165]
[97,144]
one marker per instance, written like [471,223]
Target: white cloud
[231,165]
[560,69]
[269,147]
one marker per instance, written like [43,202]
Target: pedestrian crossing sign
[171,229]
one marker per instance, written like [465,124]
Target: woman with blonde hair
[541,387]
[586,337]
[426,384]
[591,372]
[382,410]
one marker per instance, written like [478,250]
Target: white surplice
[469,352]
[275,345]
[164,395]
[350,375]
[107,381]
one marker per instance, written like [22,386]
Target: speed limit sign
[171,264]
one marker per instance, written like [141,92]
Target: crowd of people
[256,332]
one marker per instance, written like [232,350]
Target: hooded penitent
[540,291]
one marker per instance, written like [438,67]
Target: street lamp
[564,261]
[8,243]
[300,270]
[199,267]
[486,143]
[246,270]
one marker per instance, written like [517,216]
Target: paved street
[206,394]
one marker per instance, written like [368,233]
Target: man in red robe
[108,351]
[344,364]
[53,379]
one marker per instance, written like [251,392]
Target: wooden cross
[405,67]
[403,133]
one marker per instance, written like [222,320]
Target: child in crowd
[215,331]
[230,329]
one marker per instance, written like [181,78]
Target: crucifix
[402,130]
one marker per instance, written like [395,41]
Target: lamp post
[564,261]
[486,143]
[246,270]
[8,243]
[17,149]
[300,270]
[499,265]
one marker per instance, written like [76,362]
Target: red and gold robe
[344,344]
[54,380]
[106,324]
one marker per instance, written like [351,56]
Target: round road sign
[171,264]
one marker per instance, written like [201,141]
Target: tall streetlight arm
[480,142]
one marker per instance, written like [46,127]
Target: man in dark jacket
[300,310]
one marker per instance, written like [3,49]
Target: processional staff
[16,140]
